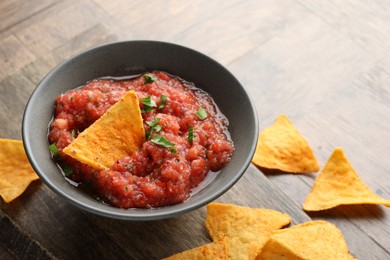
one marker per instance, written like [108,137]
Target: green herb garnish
[149,78]
[173,150]
[161,140]
[73,133]
[148,103]
[154,127]
[67,170]
[53,149]
[163,101]
[191,135]
[201,113]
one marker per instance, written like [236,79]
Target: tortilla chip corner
[339,184]
[16,173]
[281,147]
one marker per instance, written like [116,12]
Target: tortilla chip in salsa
[282,147]
[117,133]
[339,184]
[16,173]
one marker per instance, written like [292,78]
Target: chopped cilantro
[73,133]
[148,103]
[201,113]
[154,127]
[191,135]
[163,101]
[67,170]
[53,149]
[149,78]
[161,140]
[154,123]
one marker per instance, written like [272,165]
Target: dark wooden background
[326,64]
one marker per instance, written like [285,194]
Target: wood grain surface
[325,64]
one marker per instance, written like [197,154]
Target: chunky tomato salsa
[186,138]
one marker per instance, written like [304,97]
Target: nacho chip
[311,240]
[16,172]
[246,229]
[115,134]
[282,147]
[339,184]
[212,251]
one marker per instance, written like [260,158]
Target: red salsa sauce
[192,133]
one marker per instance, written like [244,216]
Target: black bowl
[129,58]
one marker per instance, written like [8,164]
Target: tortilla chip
[339,184]
[282,147]
[115,134]
[212,251]
[16,172]
[311,240]
[246,229]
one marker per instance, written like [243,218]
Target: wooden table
[326,64]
